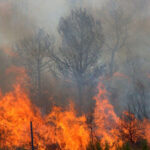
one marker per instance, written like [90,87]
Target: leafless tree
[116,22]
[32,51]
[137,101]
[131,129]
[137,94]
[78,59]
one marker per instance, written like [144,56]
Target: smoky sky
[19,16]
[18,19]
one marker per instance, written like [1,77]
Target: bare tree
[137,94]
[116,22]
[32,52]
[78,59]
[131,129]
[137,101]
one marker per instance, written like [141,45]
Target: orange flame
[70,131]
[62,128]
[106,120]
[16,111]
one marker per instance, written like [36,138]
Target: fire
[16,112]
[59,129]
[131,129]
[62,129]
[146,126]
[71,132]
[114,130]
[106,120]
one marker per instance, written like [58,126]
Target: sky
[20,20]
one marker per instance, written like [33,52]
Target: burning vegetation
[63,128]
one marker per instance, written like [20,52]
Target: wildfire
[146,126]
[16,111]
[71,132]
[106,120]
[59,129]
[62,129]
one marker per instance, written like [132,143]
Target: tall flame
[62,128]
[106,120]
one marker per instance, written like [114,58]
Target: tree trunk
[38,79]
[111,66]
[80,97]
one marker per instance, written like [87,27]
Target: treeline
[91,47]
[85,51]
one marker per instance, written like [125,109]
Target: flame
[62,128]
[146,126]
[114,130]
[70,131]
[16,111]
[106,120]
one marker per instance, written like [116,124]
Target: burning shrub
[131,129]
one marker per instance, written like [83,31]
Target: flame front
[106,120]
[62,129]
[59,129]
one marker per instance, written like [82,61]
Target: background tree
[137,95]
[32,52]
[119,30]
[116,35]
[78,59]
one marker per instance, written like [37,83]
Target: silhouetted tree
[32,52]
[137,95]
[116,21]
[131,129]
[78,59]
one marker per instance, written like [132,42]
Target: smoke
[19,19]
[21,16]
[14,23]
